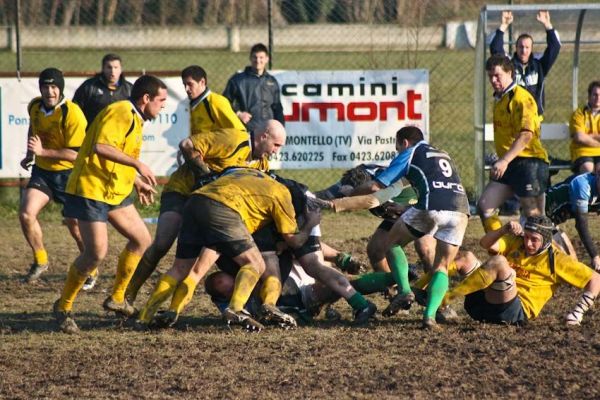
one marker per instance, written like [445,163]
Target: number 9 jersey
[433,175]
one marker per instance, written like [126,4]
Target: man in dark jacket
[530,72]
[254,93]
[103,89]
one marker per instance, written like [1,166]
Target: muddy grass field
[203,359]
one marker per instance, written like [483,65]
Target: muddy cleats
[362,316]
[242,318]
[65,320]
[402,301]
[123,308]
[331,314]
[272,315]
[89,283]
[429,324]
[445,314]
[35,271]
[165,319]
[420,296]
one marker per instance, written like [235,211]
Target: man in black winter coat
[103,89]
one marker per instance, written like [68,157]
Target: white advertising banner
[334,119]
[338,119]
[161,136]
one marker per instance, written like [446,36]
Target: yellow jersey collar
[510,87]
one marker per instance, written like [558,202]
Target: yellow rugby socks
[143,271]
[40,257]
[424,279]
[128,261]
[491,223]
[164,289]
[477,280]
[245,281]
[73,284]
[270,290]
[183,294]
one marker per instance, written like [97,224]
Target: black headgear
[53,76]
[542,225]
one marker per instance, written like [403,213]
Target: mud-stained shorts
[172,201]
[84,209]
[447,226]
[208,223]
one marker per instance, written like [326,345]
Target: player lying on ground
[574,198]
[513,286]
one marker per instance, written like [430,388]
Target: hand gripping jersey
[432,174]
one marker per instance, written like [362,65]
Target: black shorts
[527,177]
[208,223]
[387,224]
[312,244]
[581,160]
[51,183]
[85,209]
[172,201]
[508,313]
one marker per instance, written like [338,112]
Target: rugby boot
[273,315]
[35,271]
[429,324]
[362,316]
[399,302]
[445,314]
[242,318]
[123,308]
[165,319]
[89,283]
[65,320]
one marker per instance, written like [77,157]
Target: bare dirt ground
[203,359]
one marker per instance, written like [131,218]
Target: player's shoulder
[36,101]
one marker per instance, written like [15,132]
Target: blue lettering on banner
[15,120]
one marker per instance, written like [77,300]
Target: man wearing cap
[514,285]
[55,134]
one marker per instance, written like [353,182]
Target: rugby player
[585,133]
[207,154]
[523,166]
[220,218]
[441,210]
[55,134]
[215,128]
[99,191]
[574,198]
[514,285]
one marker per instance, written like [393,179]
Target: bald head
[269,138]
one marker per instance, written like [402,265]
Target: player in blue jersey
[442,210]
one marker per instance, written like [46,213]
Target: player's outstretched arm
[586,301]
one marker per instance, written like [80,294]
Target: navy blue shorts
[172,201]
[51,183]
[479,309]
[85,209]
[527,177]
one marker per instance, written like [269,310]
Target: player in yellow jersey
[209,112]
[514,285]
[220,218]
[207,153]
[100,186]
[585,133]
[522,167]
[56,132]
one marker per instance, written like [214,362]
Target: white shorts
[447,226]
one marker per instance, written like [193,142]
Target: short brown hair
[500,60]
[410,133]
[593,85]
[146,84]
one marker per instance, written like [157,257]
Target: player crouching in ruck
[514,285]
